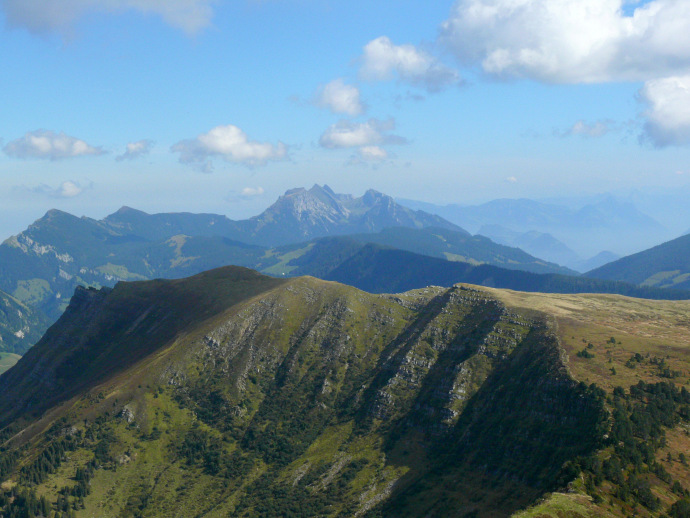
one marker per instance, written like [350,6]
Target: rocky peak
[52,216]
[310,205]
[292,192]
[125,213]
[372,197]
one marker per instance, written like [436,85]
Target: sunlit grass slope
[234,394]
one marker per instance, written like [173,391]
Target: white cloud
[512,179]
[136,150]
[368,155]
[43,16]
[668,113]
[571,41]
[345,134]
[250,192]
[49,145]
[340,98]
[67,189]
[373,153]
[383,60]
[584,129]
[230,143]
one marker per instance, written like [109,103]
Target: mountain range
[43,265]
[605,224]
[299,215]
[384,270]
[235,394]
[519,392]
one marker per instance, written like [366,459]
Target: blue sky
[220,106]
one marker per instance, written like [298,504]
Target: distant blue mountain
[605,224]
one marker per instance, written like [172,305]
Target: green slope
[309,398]
[235,394]
[105,331]
[382,270]
[664,266]
[460,246]
[43,265]
[8,360]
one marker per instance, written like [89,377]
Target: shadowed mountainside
[231,393]
[340,395]
[380,270]
[664,266]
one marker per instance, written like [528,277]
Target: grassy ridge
[309,398]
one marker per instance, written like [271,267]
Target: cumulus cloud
[382,61]
[345,134]
[136,150]
[229,143]
[340,98]
[67,189]
[44,16]
[250,192]
[49,145]
[571,41]
[668,111]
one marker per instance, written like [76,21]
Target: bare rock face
[20,325]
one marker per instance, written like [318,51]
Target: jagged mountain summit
[60,250]
[298,215]
[301,215]
[234,394]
